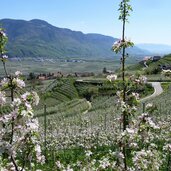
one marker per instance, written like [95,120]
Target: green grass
[162,102]
[153,68]
[166,86]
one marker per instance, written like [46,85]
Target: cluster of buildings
[60,75]
[152,58]
[155,59]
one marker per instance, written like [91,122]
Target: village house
[155,58]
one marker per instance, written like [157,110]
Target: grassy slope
[162,102]
[166,60]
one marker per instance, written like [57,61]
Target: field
[27,66]
[80,121]
[54,65]
[69,124]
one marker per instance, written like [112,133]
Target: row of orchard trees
[141,144]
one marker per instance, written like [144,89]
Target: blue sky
[149,22]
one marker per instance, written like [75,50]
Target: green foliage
[65,109]
[31,76]
[154,67]
[166,86]
[65,87]
[90,92]
[37,38]
[153,70]
[124,8]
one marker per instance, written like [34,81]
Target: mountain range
[160,49]
[37,38]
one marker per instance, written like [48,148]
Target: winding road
[157,90]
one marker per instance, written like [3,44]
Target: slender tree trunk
[124,115]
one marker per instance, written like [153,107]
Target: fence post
[143,107]
[105,120]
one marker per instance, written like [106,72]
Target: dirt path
[157,90]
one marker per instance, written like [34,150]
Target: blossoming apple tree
[19,140]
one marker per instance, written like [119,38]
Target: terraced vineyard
[65,109]
[65,98]
[66,88]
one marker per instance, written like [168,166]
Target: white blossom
[16,102]
[130,131]
[2,98]
[136,95]
[35,98]
[4,82]
[18,73]
[112,77]
[88,153]
[18,82]
[4,57]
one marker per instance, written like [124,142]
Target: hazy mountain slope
[37,38]
[156,48]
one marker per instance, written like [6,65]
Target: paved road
[157,90]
